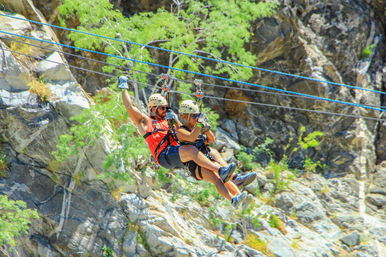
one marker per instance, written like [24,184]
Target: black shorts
[191,165]
[169,158]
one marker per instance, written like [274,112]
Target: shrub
[15,220]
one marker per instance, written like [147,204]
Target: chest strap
[164,139]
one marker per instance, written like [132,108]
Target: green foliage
[3,164]
[107,251]
[15,219]
[216,222]
[256,221]
[311,140]
[218,29]
[163,178]
[311,166]
[249,161]
[279,180]
[274,221]
[367,51]
[91,125]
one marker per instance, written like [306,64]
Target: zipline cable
[260,91]
[285,107]
[171,77]
[80,56]
[213,97]
[61,63]
[197,73]
[197,56]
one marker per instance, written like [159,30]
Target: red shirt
[155,134]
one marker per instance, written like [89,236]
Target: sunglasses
[196,115]
[163,108]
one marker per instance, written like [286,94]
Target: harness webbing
[165,138]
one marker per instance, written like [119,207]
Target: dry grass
[275,222]
[22,48]
[253,241]
[116,193]
[39,88]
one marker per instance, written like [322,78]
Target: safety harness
[169,135]
[201,144]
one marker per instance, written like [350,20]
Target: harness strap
[166,137]
[154,131]
[199,172]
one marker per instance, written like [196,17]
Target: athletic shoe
[242,181]
[238,199]
[226,173]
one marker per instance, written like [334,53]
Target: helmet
[157,100]
[188,107]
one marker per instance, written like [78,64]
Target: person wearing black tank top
[196,131]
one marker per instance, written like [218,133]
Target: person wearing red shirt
[161,138]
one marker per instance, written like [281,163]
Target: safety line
[197,73]
[260,91]
[61,63]
[80,56]
[156,75]
[213,97]
[173,78]
[285,107]
[197,56]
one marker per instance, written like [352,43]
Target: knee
[216,178]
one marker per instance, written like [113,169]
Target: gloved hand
[202,118]
[170,115]
[205,127]
[122,83]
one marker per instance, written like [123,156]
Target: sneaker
[238,199]
[242,181]
[226,173]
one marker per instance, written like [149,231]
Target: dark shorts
[191,165]
[169,158]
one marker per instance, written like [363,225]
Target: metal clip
[199,92]
[165,86]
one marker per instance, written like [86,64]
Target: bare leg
[232,188]
[215,179]
[191,153]
[217,156]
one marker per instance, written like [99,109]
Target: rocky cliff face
[339,216]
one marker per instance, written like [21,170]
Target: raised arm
[139,118]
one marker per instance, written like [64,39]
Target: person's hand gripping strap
[203,121]
[171,116]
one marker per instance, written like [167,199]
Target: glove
[202,118]
[122,83]
[170,115]
[205,127]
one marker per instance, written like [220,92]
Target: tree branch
[214,57]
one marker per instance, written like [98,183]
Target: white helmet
[157,100]
[188,107]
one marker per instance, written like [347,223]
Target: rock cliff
[339,214]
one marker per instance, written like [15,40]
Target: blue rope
[197,73]
[198,56]
[211,97]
